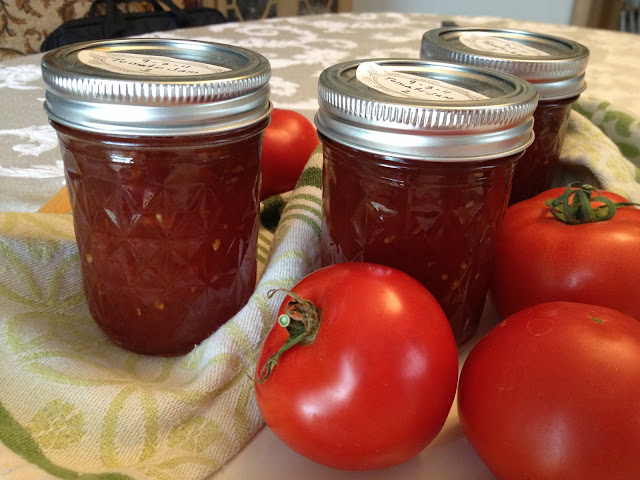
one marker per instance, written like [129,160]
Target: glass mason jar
[161,143]
[555,66]
[418,161]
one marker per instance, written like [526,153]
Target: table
[299,48]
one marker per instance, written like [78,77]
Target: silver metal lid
[556,66]
[425,110]
[155,87]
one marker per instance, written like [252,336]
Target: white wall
[550,11]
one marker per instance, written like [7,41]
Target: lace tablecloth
[299,48]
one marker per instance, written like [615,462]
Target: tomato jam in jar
[555,66]
[418,161]
[161,143]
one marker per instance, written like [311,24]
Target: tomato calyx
[574,206]
[302,321]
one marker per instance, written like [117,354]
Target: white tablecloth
[299,48]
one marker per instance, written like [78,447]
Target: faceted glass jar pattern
[436,221]
[166,230]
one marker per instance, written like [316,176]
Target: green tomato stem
[574,206]
[302,321]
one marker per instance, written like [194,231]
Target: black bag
[117,24]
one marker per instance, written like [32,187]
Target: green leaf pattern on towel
[57,425]
[621,127]
[602,147]
[195,434]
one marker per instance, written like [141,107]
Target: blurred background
[609,14]
[24,24]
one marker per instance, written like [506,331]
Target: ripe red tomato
[552,393]
[541,259]
[289,141]
[376,384]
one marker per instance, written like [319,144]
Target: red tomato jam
[535,169]
[166,230]
[436,221]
